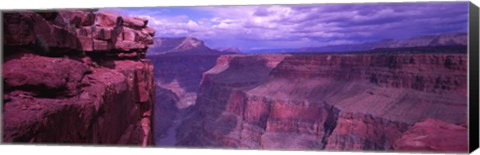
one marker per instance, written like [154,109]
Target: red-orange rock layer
[322,101]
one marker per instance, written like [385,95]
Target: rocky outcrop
[357,131]
[77,77]
[433,135]
[322,101]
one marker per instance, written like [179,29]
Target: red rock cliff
[322,101]
[77,77]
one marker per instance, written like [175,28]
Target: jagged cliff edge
[77,76]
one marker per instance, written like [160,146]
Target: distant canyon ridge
[440,40]
[392,95]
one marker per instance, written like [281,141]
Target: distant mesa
[185,45]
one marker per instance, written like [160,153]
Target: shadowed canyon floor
[179,65]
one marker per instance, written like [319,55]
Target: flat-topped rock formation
[182,45]
[77,77]
[328,101]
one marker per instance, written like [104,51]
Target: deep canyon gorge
[310,101]
[95,77]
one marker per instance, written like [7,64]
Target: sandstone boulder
[77,30]
[110,19]
[76,18]
[44,75]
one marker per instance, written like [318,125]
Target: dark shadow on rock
[166,111]
[244,73]
[186,69]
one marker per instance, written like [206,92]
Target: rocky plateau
[374,101]
[396,102]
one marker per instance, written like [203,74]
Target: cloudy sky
[295,26]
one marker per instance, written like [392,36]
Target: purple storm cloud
[294,26]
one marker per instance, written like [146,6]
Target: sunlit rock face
[182,45]
[77,76]
[328,102]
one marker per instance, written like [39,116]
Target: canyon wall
[330,101]
[179,64]
[77,76]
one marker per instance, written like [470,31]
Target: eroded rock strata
[77,77]
[330,101]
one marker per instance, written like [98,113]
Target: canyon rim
[335,77]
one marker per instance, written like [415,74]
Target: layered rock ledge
[331,102]
[77,77]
